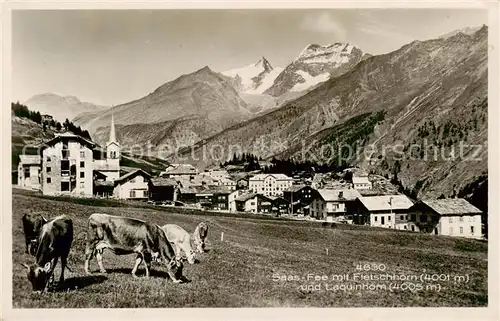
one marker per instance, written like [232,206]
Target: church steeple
[112,135]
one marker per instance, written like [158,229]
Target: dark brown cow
[123,235]
[54,242]
[32,224]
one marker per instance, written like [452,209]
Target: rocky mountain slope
[395,97]
[314,65]
[61,107]
[203,99]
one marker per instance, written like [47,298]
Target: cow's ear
[26,266]
[47,267]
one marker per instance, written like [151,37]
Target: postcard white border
[489,313]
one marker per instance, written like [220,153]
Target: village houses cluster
[71,165]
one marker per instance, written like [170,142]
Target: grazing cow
[181,241]
[54,242]
[123,235]
[199,236]
[32,224]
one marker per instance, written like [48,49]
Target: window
[132,180]
[450,219]
[26,172]
[389,218]
[82,174]
[423,218]
[49,169]
[375,218]
[401,217]
[82,185]
[132,193]
[472,230]
[82,164]
[65,186]
[461,219]
[461,230]
[49,180]
[82,154]
[48,158]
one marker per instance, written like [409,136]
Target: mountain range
[432,91]
[387,100]
[61,107]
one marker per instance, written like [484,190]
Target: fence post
[222,236]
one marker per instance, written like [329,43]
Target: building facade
[132,186]
[361,182]
[67,166]
[28,171]
[299,197]
[389,211]
[253,203]
[332,204]
[109,165]
[270,184]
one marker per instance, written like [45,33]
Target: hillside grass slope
[240,271]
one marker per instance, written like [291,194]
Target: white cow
[180,240]
[199,236]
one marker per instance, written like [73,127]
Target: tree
[58,126]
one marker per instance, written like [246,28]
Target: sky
[110,57]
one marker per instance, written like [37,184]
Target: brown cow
[54,242]
[32,225]
[123,235]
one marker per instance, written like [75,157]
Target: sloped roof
[178,169]
[261,177]
[245,197]
[71,136]
[452,206]
[160,181]
[295,188]
[386,202]
[205,190]
[104,183]
[132,175]
[30,159]
[333,195]
[360,180]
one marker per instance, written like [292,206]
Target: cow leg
[50,274]
[138,261]
[178,251]
[28,242]
[89,254]
[64,261]
[99,260]
[147,263]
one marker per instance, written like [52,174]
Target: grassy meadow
[243,269]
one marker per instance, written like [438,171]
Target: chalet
[333,204]
[28,171]
[228,183]
[279,205]
[453,217]
[254,203]
[209,197]
[132,186]
[299,197]
[270,184]
[163,189]
[361,182]
[217,174]
[390,211]
[232,199]
[242,184]
[67,166]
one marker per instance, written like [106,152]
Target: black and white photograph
[250,157]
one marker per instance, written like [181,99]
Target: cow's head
[191,257]
[38,276]
[175,270]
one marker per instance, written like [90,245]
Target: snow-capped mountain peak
[254,78]
[314,53]
[466,31]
